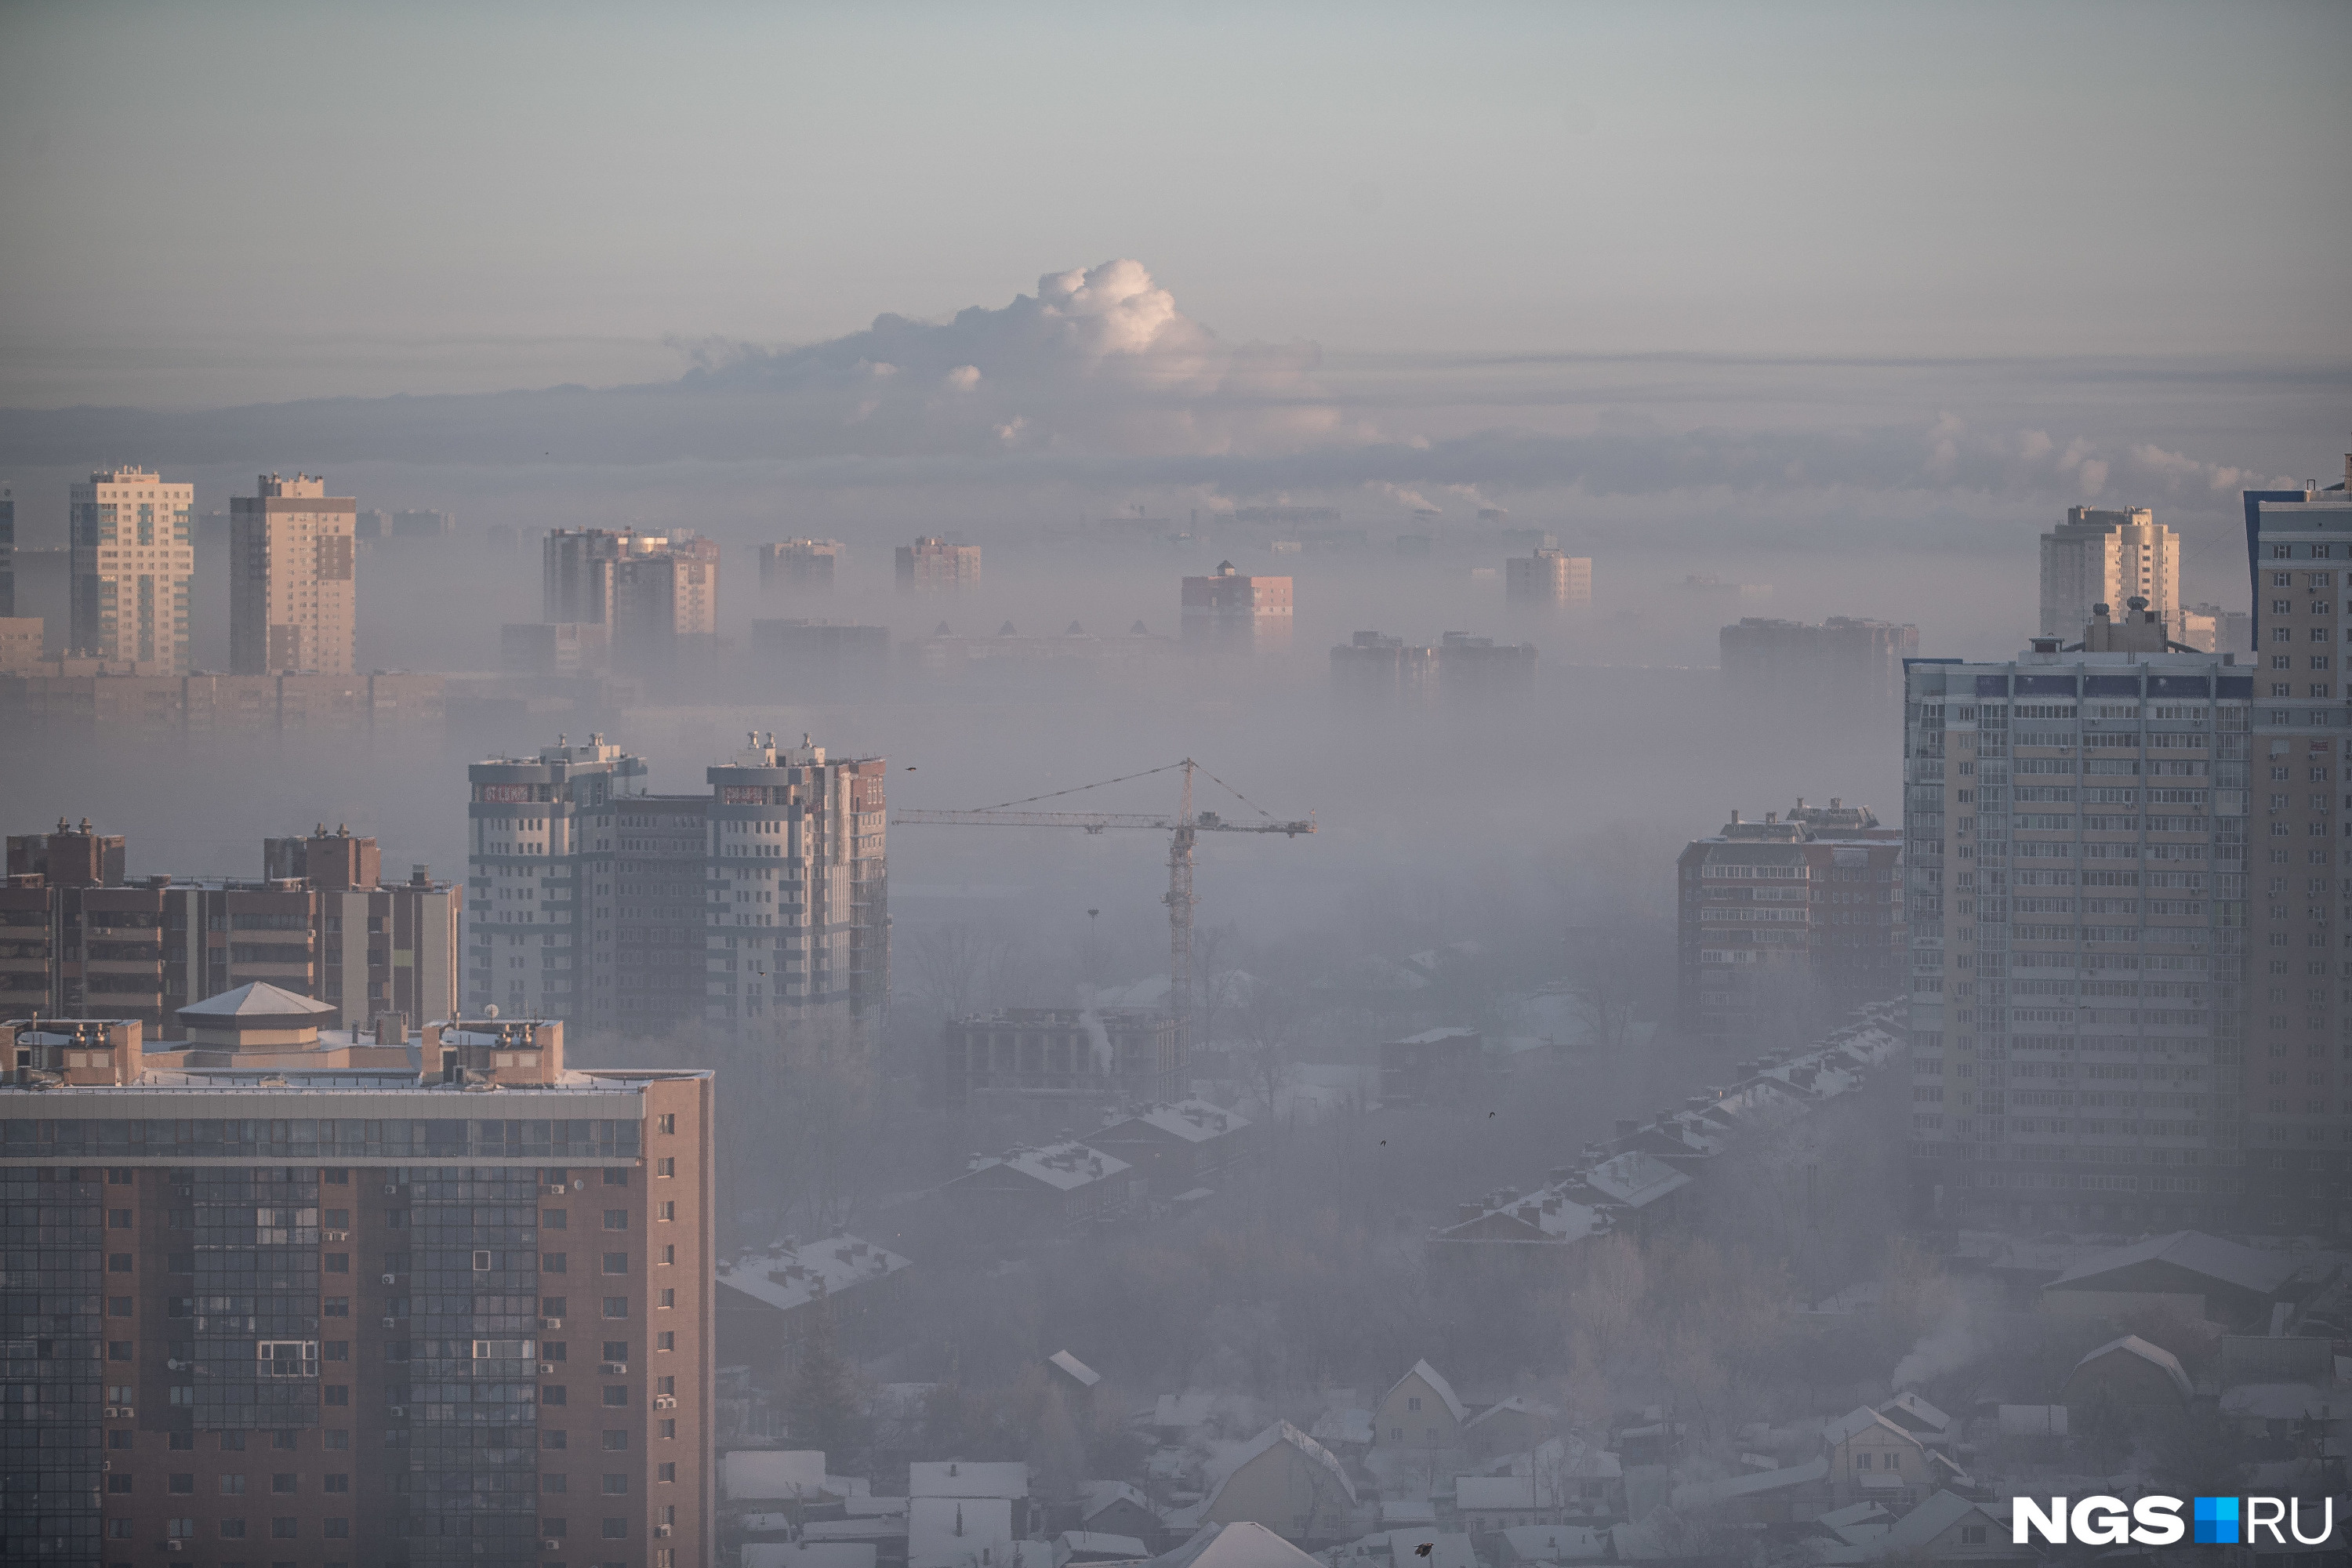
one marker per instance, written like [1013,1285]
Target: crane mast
[1184,830]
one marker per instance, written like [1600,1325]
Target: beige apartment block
[133,559]
[290,593]
[1548,578]
[2099,557]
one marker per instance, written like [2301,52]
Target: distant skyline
[243,203]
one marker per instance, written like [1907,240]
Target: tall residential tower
[2099,557]
[133,557]
[291,603]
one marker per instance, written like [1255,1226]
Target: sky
[240,203]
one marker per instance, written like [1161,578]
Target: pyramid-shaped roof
[257,1004]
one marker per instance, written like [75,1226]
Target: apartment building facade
[1549,579]
[762,903]
[1843,659]
[1062,1055]
[320,922]
[799,563]
[932,562]
[2109,557]
[133,557]
[1782,922]
[1230,611]
[322,1308]
[2078,839]
[291,592]
[2297,1087]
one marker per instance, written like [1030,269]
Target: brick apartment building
[288,1296]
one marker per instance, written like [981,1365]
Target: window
[616,1219]
[118,1306]
[482,1263]
[616,1263]
[552,1306]
[1972,1535]
[122,1439]
[118,1350]
[337,1438]
[337,1307]
[118,1263]
[551,1439]
[669,1253]
[667,1428]
[337,1530]
[338,1395]
[666,1166]
[616,1439]
[282,1484]
[666,1472]
[232,1530]
[181,1528]
[553,1263]
[554,1219]
[553,1394]
[614,1485]
[339,1350]
[282,1529]
[669,1211]
[118,1483]
[666,1122]
[616,1350]
[616,1530]
[339,1263]
[616,1397]
[551,1483]
[665,1341]
[667,1298]
[336,1484]
[554,1527]
[288,1358]
[180,1485]
[616,1177]
[118,1219]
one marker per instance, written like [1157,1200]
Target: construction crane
[1182,828]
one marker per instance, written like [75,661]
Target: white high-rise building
[133,558]
[2109,558]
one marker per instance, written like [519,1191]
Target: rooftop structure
[1230,611]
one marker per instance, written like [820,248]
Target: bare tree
[959,969]
[1269,1020]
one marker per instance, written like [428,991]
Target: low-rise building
[1434,1065]
[1286,1483]
[1420,1410]
[1067,1053]
[768,1301]
[1175,1148]
[1054,1188]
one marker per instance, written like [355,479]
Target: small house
[1422,1411]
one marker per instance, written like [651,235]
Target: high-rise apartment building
[803,563]
[657,593]
[320,923]
[1843,659]
[2078,837]
[2099,557]
[932,562]
[298,1297]
[761,902]
[133,557]
[1548,578]
[292,604]
[1787,921]
[1461,668]
[1232,611]
[2297,1086]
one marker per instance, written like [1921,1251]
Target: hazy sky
[220,204]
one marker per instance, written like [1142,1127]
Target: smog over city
[987,786]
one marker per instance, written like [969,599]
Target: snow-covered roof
[1861,1419]
[1858,1524]
[2277,1401]
[1715,1494]
[1569,1457]
[1437,1385]
[1239,1545]
[1913,1413]
[967,1478]
[2163,1359]
[1099,1545]
[1193,1120]
[2033,1420]
[1100,1495]
[1436,1037]
[1634,1179]
[1280,1432]
[2193,1252]
[1915,1530]
[954,1531]
[1064,1166]
[784,1276]
[1516,1404]
[1177,1411]
[1349,1426]
[1078,1371]
[1554,1542]
[745,1474]
[808,1554]
[257,1001]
